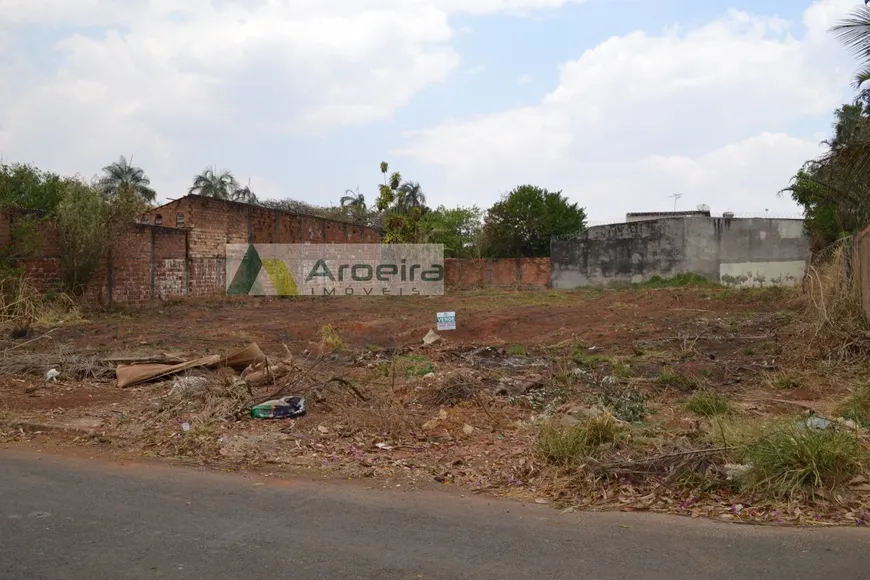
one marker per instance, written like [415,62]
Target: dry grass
[568,445]
[838,329]
[204,398]
[70,364]
[22,306]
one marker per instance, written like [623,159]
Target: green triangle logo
[247,273]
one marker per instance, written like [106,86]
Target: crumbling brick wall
[495,273]
[147,263]
[213,223]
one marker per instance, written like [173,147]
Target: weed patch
[680,280]
[670,378]
[857,407]
[625,403]
[708,404]
[790,459]
[516,350]
[567,446]
[329,338]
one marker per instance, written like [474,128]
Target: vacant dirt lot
[469,409]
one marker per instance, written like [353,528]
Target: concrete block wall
[495,273]
[734,252]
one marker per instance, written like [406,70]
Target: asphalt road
[92,520]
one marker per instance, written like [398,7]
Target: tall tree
[401,215]
[244,194]
[410,195]
[458,229]
[121,174]
[522,223]
[834,190]
[219,184]
[854,33]
[356,202]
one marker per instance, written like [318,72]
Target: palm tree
[121,174]
[356,202]
[213,183]
[244,194]
[854,32]
[410,195]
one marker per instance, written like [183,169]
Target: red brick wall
[213,223]
[508,272]
[126,277]
[43,271]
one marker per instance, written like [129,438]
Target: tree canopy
[26,187]
[122,175]
[834,190]
[522,223]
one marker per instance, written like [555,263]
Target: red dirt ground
[609,320]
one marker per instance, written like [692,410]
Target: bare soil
[665,343]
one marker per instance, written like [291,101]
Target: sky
[618,104]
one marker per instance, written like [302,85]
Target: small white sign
[446,320]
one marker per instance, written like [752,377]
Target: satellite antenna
[676,196]
[703,207]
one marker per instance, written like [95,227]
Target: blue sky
[618,103]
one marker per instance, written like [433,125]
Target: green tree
[26,187]
[457,228]
[522,223]
[356,202]
[409,196]
[854,33]
[219,184]
[121,174]
[89,222]
[244,195]
[834,190]
[403,207]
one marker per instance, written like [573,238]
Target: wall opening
[179,220]
[158,220]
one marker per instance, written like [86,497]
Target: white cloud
[711,112]
[141,72]
[525,80]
